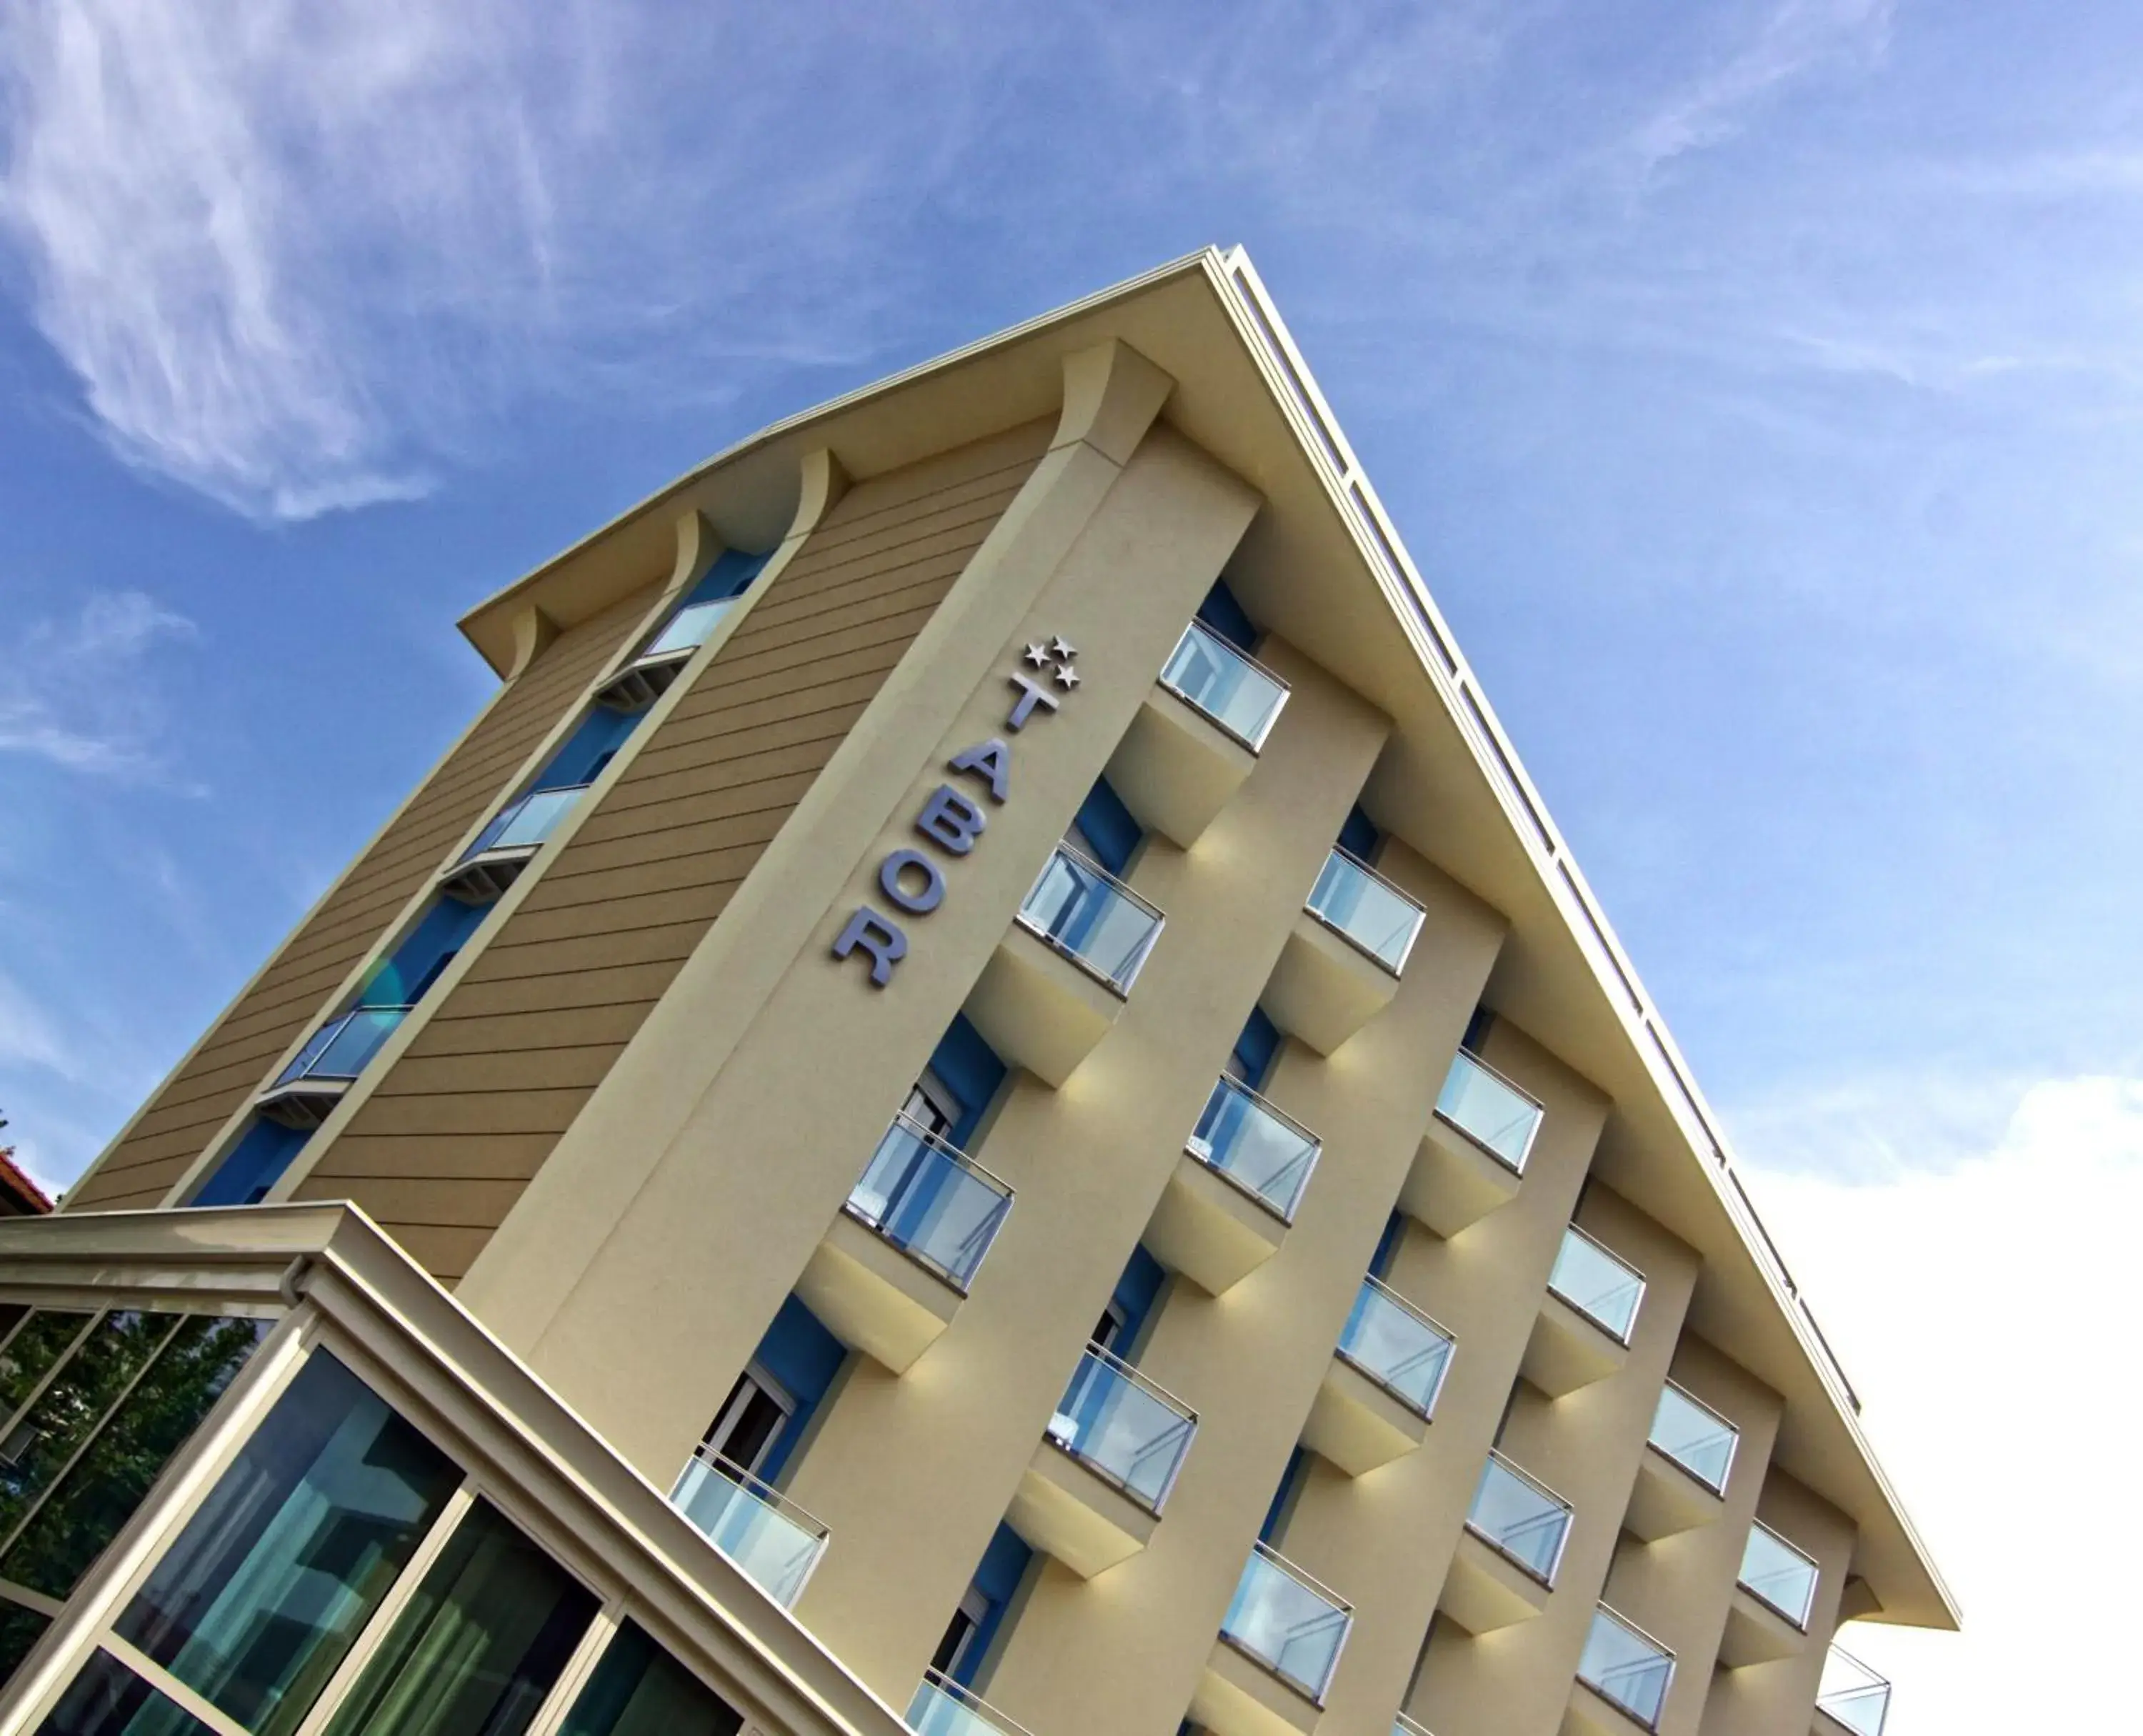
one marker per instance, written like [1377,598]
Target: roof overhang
[1450,783]
[432,1357]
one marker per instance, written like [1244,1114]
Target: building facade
[982,1098]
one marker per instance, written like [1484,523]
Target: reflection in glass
[1396,1345]
[19,1630]
[1621,1665]
[1081,909]
[1780,1574]
[40,1340]
[1695,1437]
[524,824]
[774,1541]
[1379,919]
[1124,1428]
[927,1198]
[1853,1694]
[85,1385]
[1488,1109]
[1597,1284]
[100,1493]
[1255,1146]
[941,1707]
[1237,692]
[639,1689]
[1288,1622]
[1525,1521]
[486,1634]
[267,1585]
[688,628]
[107,1698]
[340,1048]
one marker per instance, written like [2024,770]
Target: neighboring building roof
[20,1197]
[1324,568]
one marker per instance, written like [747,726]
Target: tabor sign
[952,819]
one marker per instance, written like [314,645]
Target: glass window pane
[481,1644]
[19,1630]
[33,1349]
[107,1698]
[267,1586]
[107,1483]
[639,1689]
[88,1385]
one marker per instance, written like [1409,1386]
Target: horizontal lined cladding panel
[521,1040]
[317,956]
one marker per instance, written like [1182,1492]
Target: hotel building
[980,1100]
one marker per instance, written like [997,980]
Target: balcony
[770,1540]
[1767,1617]
[516,831]
[1405,1726]
[1060,976]
[1583,1332]
[1235,1190]
[1196,736]
[1381,1387]
[1624,1674]
[648,675]
[1851,1697]
[1341,965]
[1474,1153]
[1508,1555]
[1093,1492]
[314,1082]
[1682,1477]
[941,1707]
[898,1257]
[1279,1646]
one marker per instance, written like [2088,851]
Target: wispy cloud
[78,694]
[1796,37]
[31,1037]
[302,254]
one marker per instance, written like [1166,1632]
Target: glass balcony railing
[1288,1622]
[774,1542]
[1355,899]
[1260,1149]
[1405,1726]
[687,629]
[1489,1110]
[941,1707]
[1124,1428]
[340,1048]
[931,1201]
[1396,1346]
[1852,1695]
[1088,914]
[526,823]
[1234,689]
[1775,1572]
[1626,1666]
[1521,1518]
[1600,1285]
[1696,1436]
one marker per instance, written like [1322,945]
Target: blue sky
[1759,385]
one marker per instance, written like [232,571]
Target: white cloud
[1986,1314]
[78,694]
[1796,37]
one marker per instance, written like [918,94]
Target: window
[639,1689]
[123,1395]
[267,1587]
[483,1640]
[751,1419]
[932,1105]
[953,1651]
